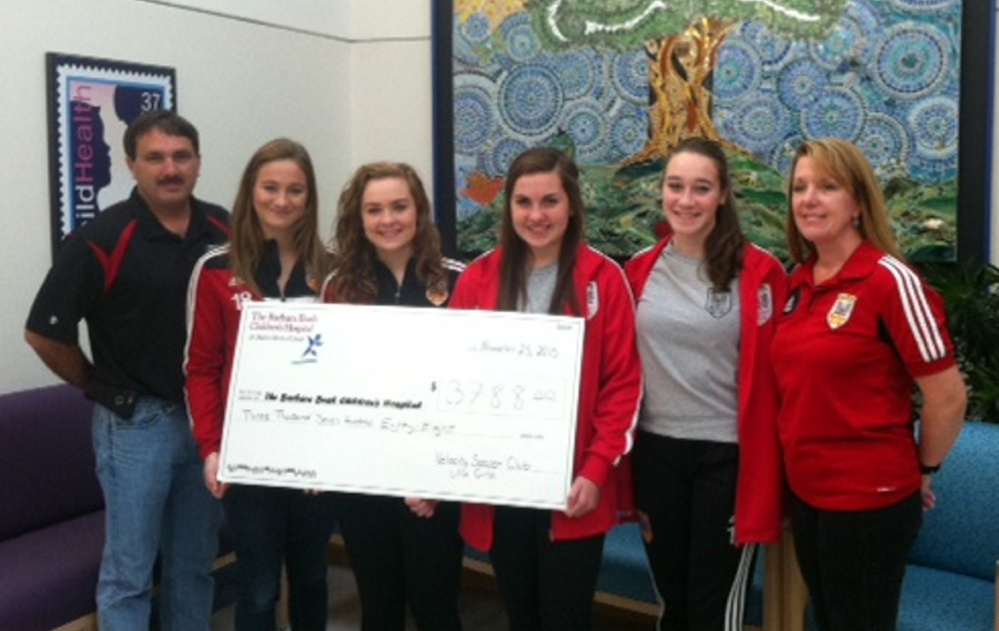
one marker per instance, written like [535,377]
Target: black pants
[271,526]
[399,559]
[546,585]
[687,489]
[853,562]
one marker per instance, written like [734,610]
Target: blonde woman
[860,329]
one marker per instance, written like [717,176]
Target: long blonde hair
[845,163]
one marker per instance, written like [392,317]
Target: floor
[481,608]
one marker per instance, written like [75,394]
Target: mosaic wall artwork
[617,82]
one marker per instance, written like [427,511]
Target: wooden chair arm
[785,597]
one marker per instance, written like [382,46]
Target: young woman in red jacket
[547,562]
[707,467]
[275,254]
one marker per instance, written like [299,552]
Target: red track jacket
[609,397]
[214,304]
[760,487]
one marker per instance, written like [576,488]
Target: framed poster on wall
[617,84]
[90,104]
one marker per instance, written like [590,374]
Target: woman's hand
[212,483]
[945,400]
[583,497]
[646,525]
[929,497]
[421,507]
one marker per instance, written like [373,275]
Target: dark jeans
[687,489]
[399,559]
[853,562]
[271,527]
[546,585]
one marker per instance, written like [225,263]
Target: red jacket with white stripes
[760,485]
[846,352]
[214,305]
[609,394]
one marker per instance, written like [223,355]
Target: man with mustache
[126,273]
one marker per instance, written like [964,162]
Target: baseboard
[623,607]
[88,622]
[336,552]
[224,561]
[83,623]
[478,566]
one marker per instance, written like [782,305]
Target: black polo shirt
[127,276]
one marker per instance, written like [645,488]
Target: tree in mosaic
[683,39]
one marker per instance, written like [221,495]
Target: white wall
[325,17]
[389,85]
[240,83]
[391,91]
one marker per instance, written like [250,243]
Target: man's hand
[67,361]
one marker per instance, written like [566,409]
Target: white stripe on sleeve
[922,324]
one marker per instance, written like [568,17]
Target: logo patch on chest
[841,311]
[592,300]
[765,306]
[792,302]
[718,303]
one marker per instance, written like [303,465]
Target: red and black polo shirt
[127,276]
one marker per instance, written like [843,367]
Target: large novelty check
[463,405]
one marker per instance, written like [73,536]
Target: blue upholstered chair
[950,581]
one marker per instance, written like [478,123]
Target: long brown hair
[516,254]
[725,244]
[846,164]
[354,267]
[247,241]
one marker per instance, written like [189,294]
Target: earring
[856,221]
